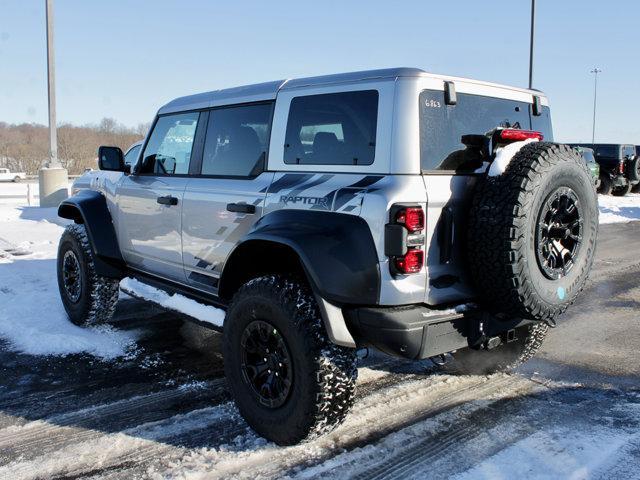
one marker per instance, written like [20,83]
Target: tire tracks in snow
[142,416]
[375,417]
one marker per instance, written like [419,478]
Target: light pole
[53,179]
[533,27]
[595,72]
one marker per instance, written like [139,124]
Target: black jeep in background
[619,167]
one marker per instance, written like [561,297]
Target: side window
[168,151]
[332,129]
[132,155]
[442,127]
[237,140]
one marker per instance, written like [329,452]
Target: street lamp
[53,179]
[533,26]
[595,72]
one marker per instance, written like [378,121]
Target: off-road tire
[622,191]
[324,374]
[606,185]
[505,357]
[98,295]
[633,169]
[503,228]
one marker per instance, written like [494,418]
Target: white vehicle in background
[8,176]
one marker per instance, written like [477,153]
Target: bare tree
[24,147]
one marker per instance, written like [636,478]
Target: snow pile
[619,209]
[175,302]
[504,156]
[32,318]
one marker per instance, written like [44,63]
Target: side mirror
[112,159]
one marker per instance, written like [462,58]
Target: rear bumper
[417,331]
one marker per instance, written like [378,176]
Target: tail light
[517,135]
[621,167]
[404,239]
[411,262]
[412,218]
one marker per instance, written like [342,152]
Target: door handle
[167,200]
[241,207]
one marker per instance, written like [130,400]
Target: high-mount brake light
[411,262]
[517,135]
[412,218]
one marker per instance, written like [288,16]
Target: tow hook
[492,343]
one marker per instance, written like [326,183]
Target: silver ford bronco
[415,213]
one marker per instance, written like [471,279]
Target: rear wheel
[16,179]
[635,188]
[88,298]
[622,191]
[506,356]
[289,381]
[605,186]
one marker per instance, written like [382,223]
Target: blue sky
[124,59]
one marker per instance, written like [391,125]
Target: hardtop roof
[269,90]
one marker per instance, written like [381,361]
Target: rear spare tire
[633,169]
[532,233]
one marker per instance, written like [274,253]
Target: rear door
[226,197]
[450,171]
[149,202]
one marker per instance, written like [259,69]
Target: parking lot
[146,397]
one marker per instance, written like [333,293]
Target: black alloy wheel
[266,363]
[72,276]
[559,233]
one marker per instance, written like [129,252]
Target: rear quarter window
[442,127]
[332,129]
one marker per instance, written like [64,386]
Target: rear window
[332,129]
[612,151]
[442,127]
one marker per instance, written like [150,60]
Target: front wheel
[506,356]
[88,298]
[289,381]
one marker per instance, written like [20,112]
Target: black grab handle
[241,207]
[167,200]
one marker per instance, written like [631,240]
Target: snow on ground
[619,209]
[32,318]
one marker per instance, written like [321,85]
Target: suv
[396,209]
[619,167]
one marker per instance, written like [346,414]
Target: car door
[222,203]
[150,200]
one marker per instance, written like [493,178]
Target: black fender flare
[336,250]
[90,208]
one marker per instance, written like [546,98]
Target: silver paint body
[189,243]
